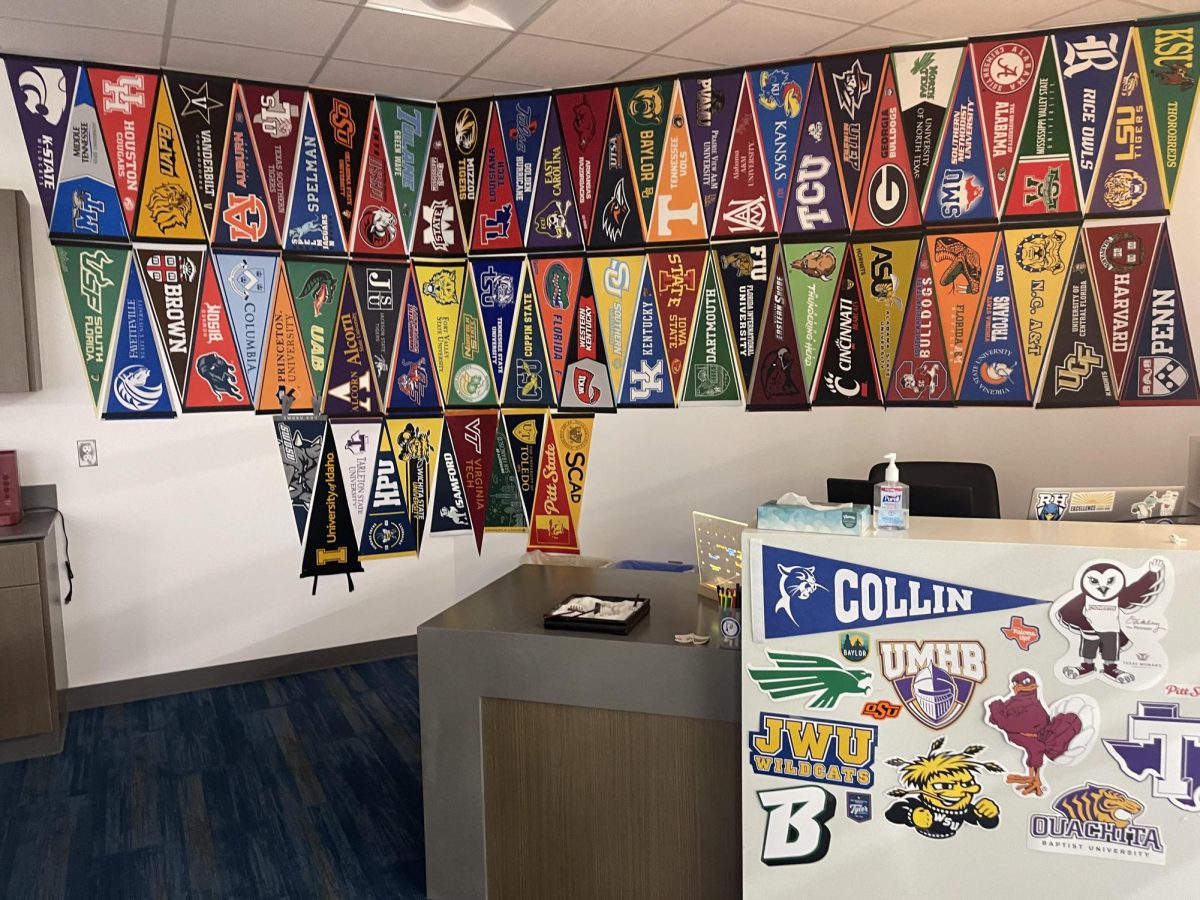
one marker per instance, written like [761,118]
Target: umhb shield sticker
[138,387]
[710,102]
[168,207]
[242,216]
[924,82]
[43,93]
[202,105]
[961,188]
[275,125]
[584,117]
[86,203]
[125,103]
[960,264]
[1043,181]
[813,272]
[934,681]
[780,95]
[1004,77]
[1167,53]
[94,282]
[995,371]
[745,207]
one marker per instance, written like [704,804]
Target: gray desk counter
[491,646]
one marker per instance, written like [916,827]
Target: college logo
[855,645]
[319,288]
[471,383]
[438,232]
[1073,371]
[1121,251]
[887,194]
[958,193]
[551,220]
[879,710]
[441,288]
[1163,747]
[199,102]
[1041,252]
[1159,376]
[615,212]
[386,535]
[777,91]
[646,380]
[711,380]
[1006,68]
[858,807]
[802,674]
[86,211]
[928,379]
[244,279]
[1100,821]
[132,388]
[826,752]
[466,130]
[123,93]
[169,207]
[646,106]
[1024,636]
[1045,190]
[851,88]
[934,679]
[495,289]
[796,831]
[940,792]
[412,379]
[746,215]
[276,118]
[45,92]
[1124,189]
[378,226]
[220,375]
[495,226]
[246,217]
[530,380]
[1051,506]
[341,120]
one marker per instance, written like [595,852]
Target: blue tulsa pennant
[497,283]
[779,95]
[523,126]
[646,381]
[314,223]
[138,388]
[86,202]
[805,594]
[960,187]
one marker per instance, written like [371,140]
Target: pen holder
[731,629]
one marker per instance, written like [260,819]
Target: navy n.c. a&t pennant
[43,92]
[138,386]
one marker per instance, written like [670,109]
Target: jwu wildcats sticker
[1089,63]
[960,264]
[817,202]
[961,187]
[711,370]
[275,125]
[678,213]
[86,204]
[710,102]
[43,93]
[745,206]
[1043,181]
[1004,77]
[813,273]
[995,372]
[924,83]
[168,207]
[313,222]
[889,197]
[125,103]
[934,680]
[243,218]
[806,749]
[780,94]
[584,116]
[1122,259]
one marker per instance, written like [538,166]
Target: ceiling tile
[485,87]
[305,26]
[147,16]
[941,19]
[859,12]
[622,23]
[548,61]
[241,62]
[664,65]
[1100,12]
[1173,6]
[746,34]
[74,42]
[408,84]
[417,43]
[868,38]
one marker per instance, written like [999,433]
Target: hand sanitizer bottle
[891,499]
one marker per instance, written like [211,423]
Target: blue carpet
[307,786]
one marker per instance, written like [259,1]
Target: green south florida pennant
[94,281]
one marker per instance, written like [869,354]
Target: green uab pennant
[316,289]
[644,110]
[1168,53]
[94,281]
[711,376]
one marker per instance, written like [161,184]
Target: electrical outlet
[86,451]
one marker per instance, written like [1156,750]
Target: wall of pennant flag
[433,300]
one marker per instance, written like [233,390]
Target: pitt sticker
[836,753]
[1114,619]
[807,594]
[1181,690]
[796,831]
[1099,821]
[880,710]
[1024,636]
[940,793]
[1162,746]
[1063,732]
[855,645]
[858,806]
[801,674]
[933,679]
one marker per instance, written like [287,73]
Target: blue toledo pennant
[806,594]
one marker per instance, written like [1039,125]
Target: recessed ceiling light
[464,12]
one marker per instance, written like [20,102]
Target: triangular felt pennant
[43,93]
[285,368]
[407,131]
[889,197]
[386,529]
[616,281]
[94,282]
[248,283]
[439,228]
[551,528]
[1121,256]
[583,116]
[586,385]
[921,374]
[215,380]
[381,288]
[465,124]
[505,507]
[573,437]
[646,381]
[1038,259]
[417,443]
[676,275]
[202,105]
[497,283]
[357,446]
[614,222]
[300,440]
[449,513]
[780,94]
[778,382]
[678,213]
[711,374]
[497,225]
[376,230]
[885,274]
[125,102]
[275,126]
[847,375]
[1167,54]
[555,223]
[524,432]
[330,545]
[138,387]
[960,187]
[313,218]
[350,385]
[529,382]
[644,112]
[243,219]
[471,381]
[1128,178]
[818,202]
[745,206]
[172,279]
[168,208]
[86,203]
[523,125]
[316,288]
[441,288]
[343,119]
[852,88]
[925,80]
[745,271]
[1043,181]
[995,371]
[710,102]
[474,437]
[1089,64]
[813,273]
[1004,73]
[960,263]
[1162,368]
[556,282]
[1078,372]
[414,383]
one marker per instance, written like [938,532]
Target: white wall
[184,545]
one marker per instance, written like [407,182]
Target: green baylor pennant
[711,376]
[644,110]
[94,281]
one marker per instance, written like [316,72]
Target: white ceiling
[552,43]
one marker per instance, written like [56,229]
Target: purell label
[891,507]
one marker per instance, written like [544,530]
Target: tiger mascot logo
[1097,803]
[169,207]
[1125,189]
[441,288]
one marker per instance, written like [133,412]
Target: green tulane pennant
[710,370]
[94,281]
[471,381]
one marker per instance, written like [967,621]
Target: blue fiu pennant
[86,203]
[779,96]
[960,189]
[248,286]
[313,221]
[138,388]
[995,371]
[646,381]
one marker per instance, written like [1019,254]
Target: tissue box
[842,518]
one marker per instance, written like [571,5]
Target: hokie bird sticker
[939,793]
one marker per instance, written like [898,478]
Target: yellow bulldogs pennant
[168,208]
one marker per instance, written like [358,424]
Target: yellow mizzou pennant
[885,271]
[440,286]
[1039,260]
[616,281]
[678,213]
[574,439]
[168,207]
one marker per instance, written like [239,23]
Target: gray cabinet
[20,360]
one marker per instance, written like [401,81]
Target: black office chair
[979,477]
